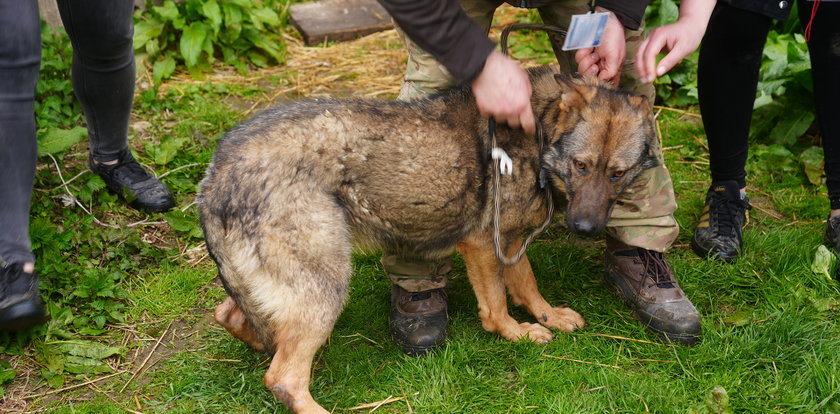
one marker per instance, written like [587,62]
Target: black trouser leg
[727,75]
[20,57]
[103,69]
[824,48]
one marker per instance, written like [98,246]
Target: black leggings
[103,79]
[730,59]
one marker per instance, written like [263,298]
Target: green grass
[771,333]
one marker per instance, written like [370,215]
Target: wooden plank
[49,12]
[338,20]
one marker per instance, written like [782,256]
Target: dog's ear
[639,102]
[642,106]
[574,94]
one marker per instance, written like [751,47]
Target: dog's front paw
[532,331]
[562,318]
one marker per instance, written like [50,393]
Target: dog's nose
[585,227]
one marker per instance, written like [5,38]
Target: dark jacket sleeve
[441,28]
[629,12]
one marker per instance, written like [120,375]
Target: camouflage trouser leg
[423,74]
[643,215]
[416,275]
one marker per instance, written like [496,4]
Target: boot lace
[726,212]
[656,268]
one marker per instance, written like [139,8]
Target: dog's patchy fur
[291,188]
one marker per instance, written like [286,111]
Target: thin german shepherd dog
[291,189]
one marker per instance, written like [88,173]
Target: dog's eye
[618,174]
[580,165]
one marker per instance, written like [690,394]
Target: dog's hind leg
[233,319]
[290,369]
[300,312]
[485,274]
[522,287]
[296,286]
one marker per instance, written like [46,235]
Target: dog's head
[599,140]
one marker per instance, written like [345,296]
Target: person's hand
[503,91]
[605,60]
[680,39]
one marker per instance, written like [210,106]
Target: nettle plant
[195,33]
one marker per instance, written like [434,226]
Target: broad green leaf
[797,55]
[99,321]
[739,318]
[197,71]
[229,55]
[812,160]
[718,401]
[6,372]
[208,48]
[772,158]
[180,221]
[791,127]
[184,222]
[56,140]
[54,380]
[273,48]
[804,80]
[233,15]
[266,16]
[767,118]
[192,42]
[824,304]
[257,59]
[88,349]
[52,360]
[823,261]
[163,69]
[145,31]
[168,11]
[230,34]
[213,12]
[179,23]
[82,365]
[762,99]
[165,152]
[668,13]
[153,47]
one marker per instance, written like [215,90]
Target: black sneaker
[718,235]
[832,238]
[20,303]
[127,176]
[419,320]
[832,233]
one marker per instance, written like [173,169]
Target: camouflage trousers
[644,213]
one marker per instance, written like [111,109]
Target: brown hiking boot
[419,320]
[643,279]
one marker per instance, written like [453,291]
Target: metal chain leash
[497,176]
